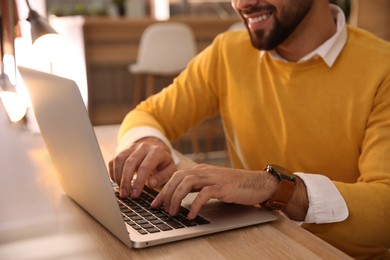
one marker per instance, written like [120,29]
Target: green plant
[119,2]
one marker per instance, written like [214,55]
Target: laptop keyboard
[143,218]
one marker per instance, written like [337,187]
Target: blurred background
[95,43]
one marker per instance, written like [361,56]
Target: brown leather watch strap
[281,196]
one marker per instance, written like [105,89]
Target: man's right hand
[148,161]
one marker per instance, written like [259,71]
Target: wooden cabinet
[373,15]
[111,44]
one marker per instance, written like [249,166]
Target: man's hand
[225,184]
[149,160]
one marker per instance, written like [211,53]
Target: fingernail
[191,215]
[123,193]
[153,183]
[134,193]
[171,210]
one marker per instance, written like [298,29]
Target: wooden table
[59,229]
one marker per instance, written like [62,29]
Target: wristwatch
[285,189]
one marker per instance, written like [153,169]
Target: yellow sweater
[305,116]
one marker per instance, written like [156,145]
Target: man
[300,90]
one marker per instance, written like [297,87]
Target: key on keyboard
[143,218]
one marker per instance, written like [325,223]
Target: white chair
[165,49]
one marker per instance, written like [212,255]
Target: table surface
[38,221]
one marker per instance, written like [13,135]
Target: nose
[243,4]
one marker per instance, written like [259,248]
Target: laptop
[70,139]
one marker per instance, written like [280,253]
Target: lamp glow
[14,105]
[50,48]
[161,10]
[39,25]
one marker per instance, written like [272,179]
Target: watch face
[280,172]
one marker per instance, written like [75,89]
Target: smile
[258,19]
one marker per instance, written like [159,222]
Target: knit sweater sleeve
[191,98]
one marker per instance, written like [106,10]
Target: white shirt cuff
[140,132]
[326,205]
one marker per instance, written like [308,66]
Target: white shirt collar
[330,49]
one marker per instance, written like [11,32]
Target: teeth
[258,19]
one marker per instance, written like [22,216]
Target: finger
[189,179]
[164,196]
[162,175]
[193,181]
[118,163]
[130,167]
[158,201]
[183,188]
[154,160]
[202,198]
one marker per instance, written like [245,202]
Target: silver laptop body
[69,136]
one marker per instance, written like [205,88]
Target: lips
[258,18]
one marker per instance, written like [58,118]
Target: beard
[284,24]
